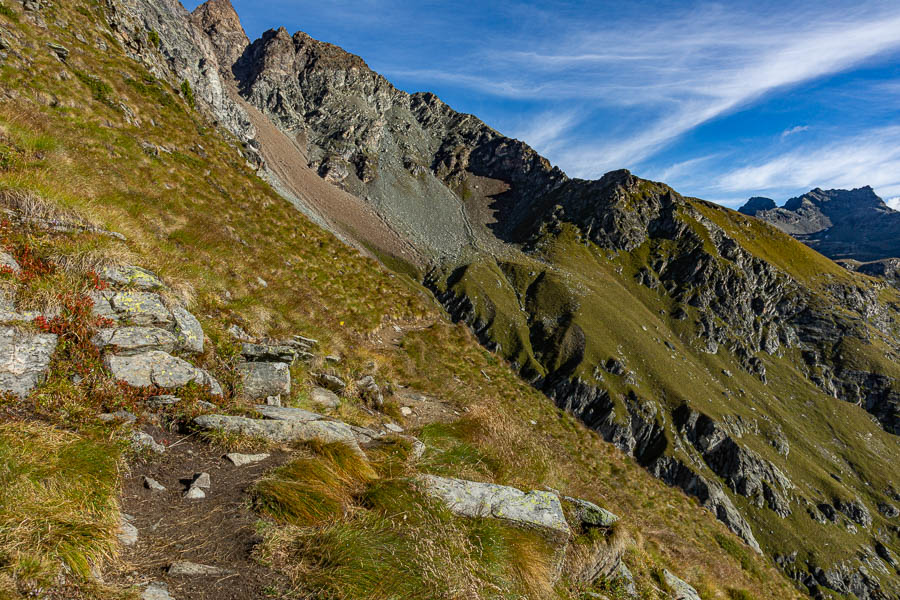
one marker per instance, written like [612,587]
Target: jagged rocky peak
[220,22]
[757,204]
[831,201]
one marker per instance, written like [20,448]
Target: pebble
[201,480]
[153,485]
[393,427]
[156,591]
[406,411]
[128,533]
[194,493]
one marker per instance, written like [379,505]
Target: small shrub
[737,594]
[188,93]
[153,38]
[100,90]
[9,13]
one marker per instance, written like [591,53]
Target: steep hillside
[119,146]
[841,224]
[729,359]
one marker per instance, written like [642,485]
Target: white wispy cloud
[793,130]
[871,157]
[671,74]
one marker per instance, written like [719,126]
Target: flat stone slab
[681,589]
[141,308]
[132,276]
[536,509]
[24,359]
[188,331]
[240,460]
[263,379]
[282,431]
[285,413]
[159,369]
[128,533]
[130,340]
[185,568]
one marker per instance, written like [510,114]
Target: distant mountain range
[844,225]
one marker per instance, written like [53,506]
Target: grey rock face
[159,369]
[240,460]
[535,509]
[185,54]
[141,308]
[324,398]
[128,533]
[591,515]
[188,331]
[281,431]
[24,359]
[7,260]
[262,379]
[153,485]
[268,353]
[133,340]
[680,589]
[132,276]
[331,382]
[370,391]
[284,413]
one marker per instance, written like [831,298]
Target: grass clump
[188,93]
[58,502]
[153,38]
[8,13]
[316,488]
[100,90]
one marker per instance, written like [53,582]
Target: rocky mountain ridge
[579,283]
[841,224]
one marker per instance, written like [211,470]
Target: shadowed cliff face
[841,224]
[707,344]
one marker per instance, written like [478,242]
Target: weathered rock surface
[141,308]
[144,441]
[240,460]
[128,533]
[188,331]
[591,515]
[331,382]
[369,391]
[535,509]
[156,591]
[324,398]
[268,353]
[281,431]
[24,359]
[155,368]
[133,340]
[680,589]
[132,277]
[262,379]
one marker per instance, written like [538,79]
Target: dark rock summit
[841,224]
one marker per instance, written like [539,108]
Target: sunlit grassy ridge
[194,212]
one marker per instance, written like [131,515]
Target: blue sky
[721,100]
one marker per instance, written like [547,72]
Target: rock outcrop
[24,359]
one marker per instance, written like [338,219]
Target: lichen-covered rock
[268,353]
[262,379]
[132,340]
[141,308]
[536,509]
[680,589]
[24,359]
[132,276]
[144,441]
[591,515]
[282,431]
[155,368]
[188,331]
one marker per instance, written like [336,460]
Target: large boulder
[536,509]
[282,431]
[131,340]
[24,359]
[155,368]
[589,514]
[263,379]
